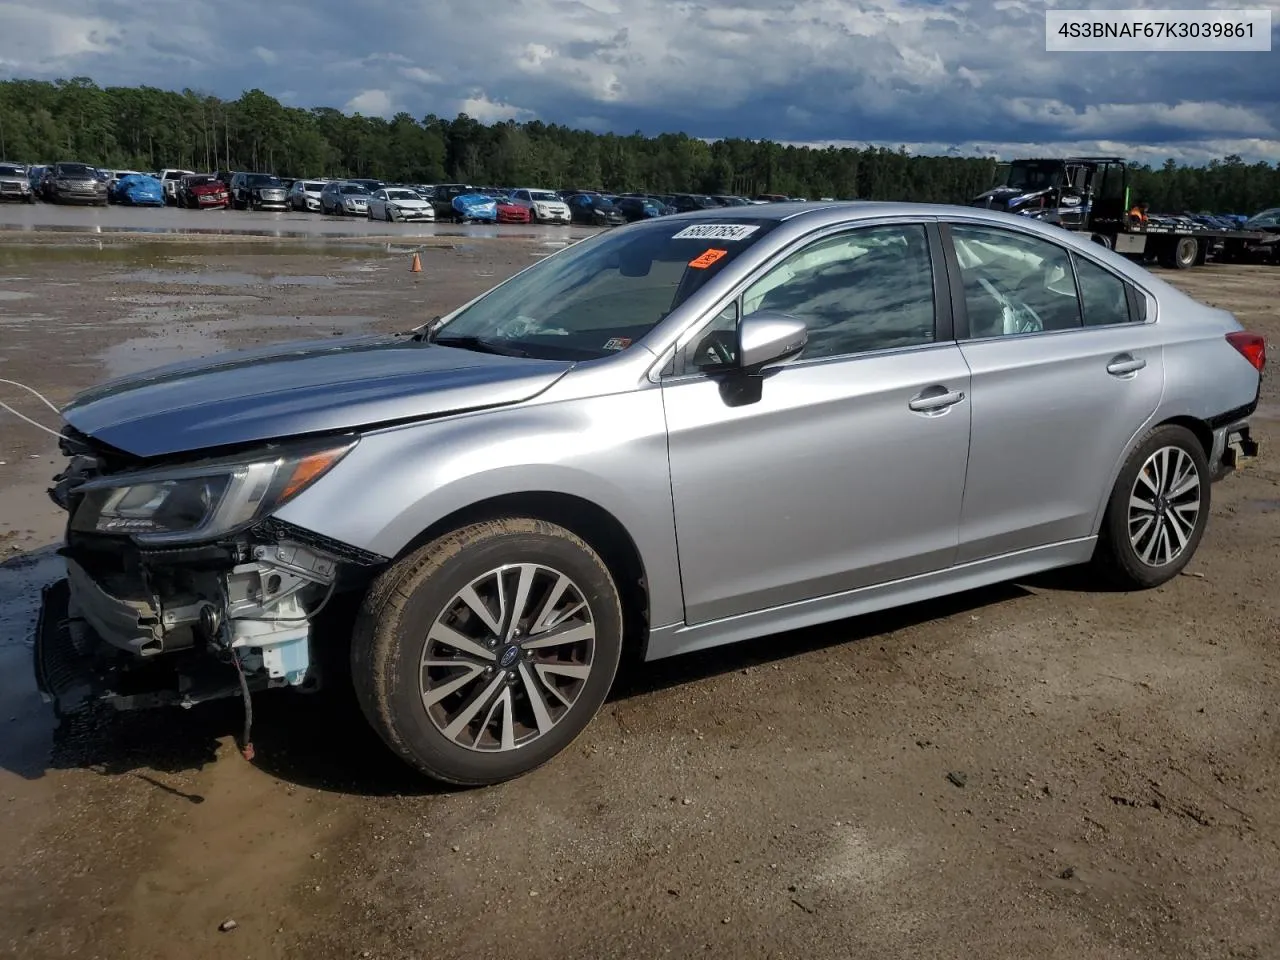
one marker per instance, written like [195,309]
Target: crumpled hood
[291,389]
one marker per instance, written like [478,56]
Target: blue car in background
[475,206]
[138,189]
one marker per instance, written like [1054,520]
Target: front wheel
[487,652]
[1158,510]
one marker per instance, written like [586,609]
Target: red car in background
[202,191]
[509,212]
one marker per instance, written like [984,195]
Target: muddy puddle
[152,254]
[201,337]
[222,278]
[26,721]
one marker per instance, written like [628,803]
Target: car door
[842,468]
[1066,370]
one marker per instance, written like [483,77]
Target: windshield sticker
[707,258]
[618,343]
[717,231]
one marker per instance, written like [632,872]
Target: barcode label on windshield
[717,231]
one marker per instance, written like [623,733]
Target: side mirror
[767,337]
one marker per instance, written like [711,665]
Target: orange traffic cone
[417,264]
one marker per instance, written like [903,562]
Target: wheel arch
[1200,428]
[599,528]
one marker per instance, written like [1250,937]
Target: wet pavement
[1041,769]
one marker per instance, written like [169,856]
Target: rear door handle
[934,399]
[1125,364]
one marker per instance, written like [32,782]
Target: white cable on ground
[39,396]
[35,393]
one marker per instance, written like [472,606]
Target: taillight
[1252,346]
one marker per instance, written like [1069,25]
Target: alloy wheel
[1164,506]
[507,657]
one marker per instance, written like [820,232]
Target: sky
[937,76]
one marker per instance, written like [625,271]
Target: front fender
[609,450]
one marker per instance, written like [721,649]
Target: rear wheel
[1158,510]
[485,653]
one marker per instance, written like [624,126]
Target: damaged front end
[181,587]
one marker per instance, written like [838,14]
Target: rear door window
[1103,296]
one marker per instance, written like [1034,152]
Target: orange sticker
[707,258]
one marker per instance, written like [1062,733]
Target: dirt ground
[1038,770]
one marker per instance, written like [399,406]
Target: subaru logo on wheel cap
[509,656]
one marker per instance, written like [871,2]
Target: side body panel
[1049,422]
[827,482]
[610,450]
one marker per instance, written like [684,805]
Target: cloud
[370,103]
[420,75]
[941,72]
[480,107]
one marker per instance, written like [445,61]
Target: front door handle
[1125,364]
[935,399]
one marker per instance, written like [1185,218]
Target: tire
[393,634]
[1180,254]
[1116,557]
[1186,253]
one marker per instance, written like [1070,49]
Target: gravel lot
[1037,770]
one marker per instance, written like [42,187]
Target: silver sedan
[681,433]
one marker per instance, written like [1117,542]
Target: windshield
[201,181]
[402,195]
[76,170]
[312,187]
[262,180]
[353,188]
[543,196]
[12,170]
[1034,174]
[602,294]
[1267,218]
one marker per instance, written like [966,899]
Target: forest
[148,128]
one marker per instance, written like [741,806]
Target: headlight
[202,501]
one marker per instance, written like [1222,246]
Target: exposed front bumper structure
[178,627]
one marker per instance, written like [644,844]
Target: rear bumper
[1233,448]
